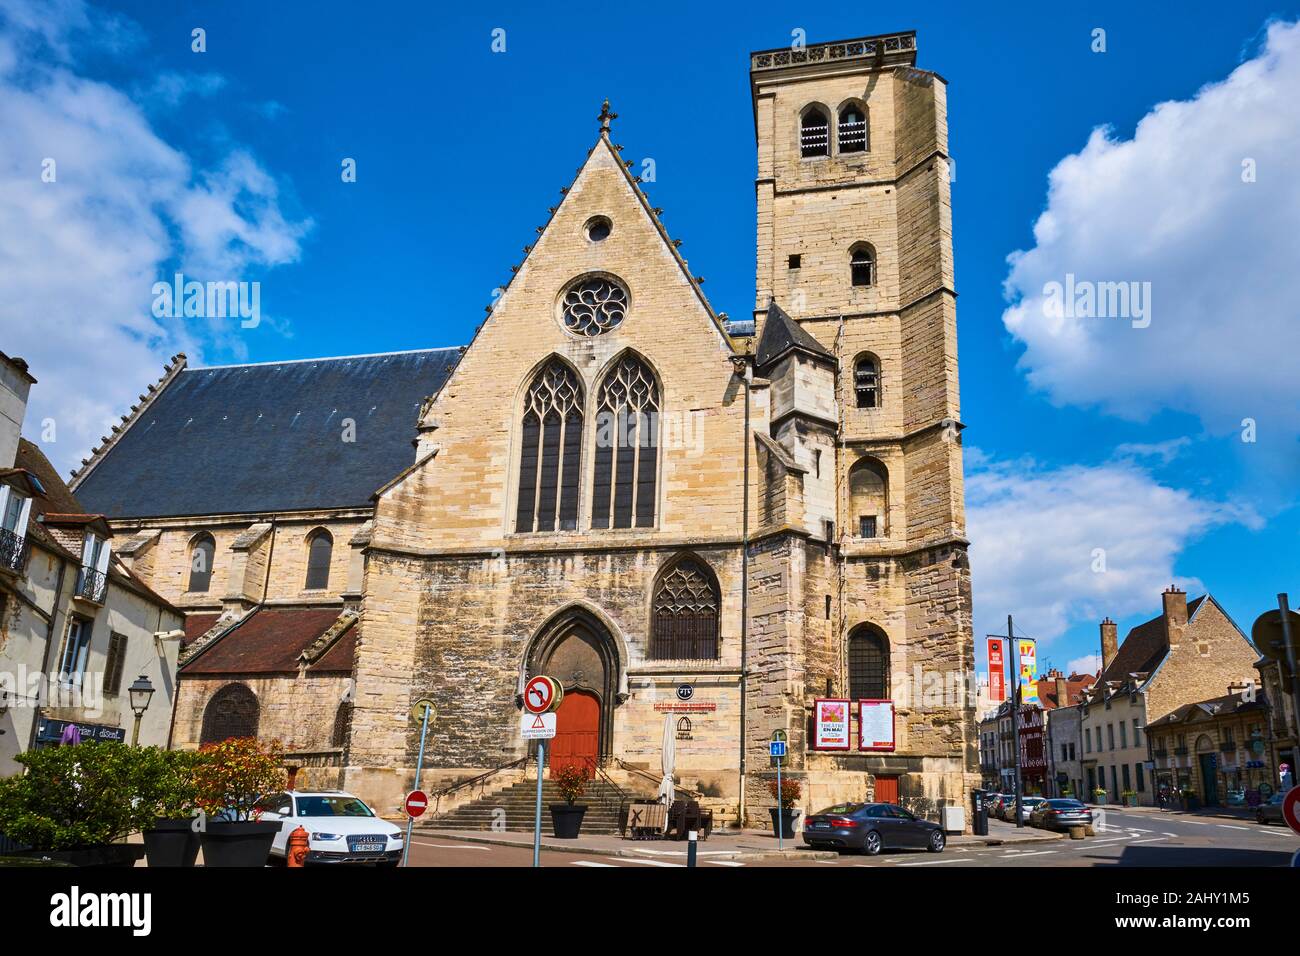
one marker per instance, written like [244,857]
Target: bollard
[693,839]
[1076,833]
[295,853]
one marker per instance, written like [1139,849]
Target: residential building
[1216,748]
[77,628]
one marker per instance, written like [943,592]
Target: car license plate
[368,848]
[821,826]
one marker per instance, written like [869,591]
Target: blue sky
[1135,448]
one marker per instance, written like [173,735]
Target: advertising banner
[831,724]
[876,725]
[997,670]
[1028,670]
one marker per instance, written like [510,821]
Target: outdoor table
[645,821]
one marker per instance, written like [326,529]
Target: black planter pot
[102,855]
[171,843]
[787,822]
[566,820]
[245,843]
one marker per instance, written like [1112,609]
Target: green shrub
[233,774]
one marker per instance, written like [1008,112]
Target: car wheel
[1259,818]
[937,841]
[872,845]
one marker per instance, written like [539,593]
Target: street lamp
[140,693]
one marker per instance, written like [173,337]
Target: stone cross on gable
[606,116]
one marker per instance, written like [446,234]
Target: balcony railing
[91,585]
[1180,751]
[1228,748]
[13,552]
[1161,752]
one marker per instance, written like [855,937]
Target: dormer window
[15,508]
[92,582]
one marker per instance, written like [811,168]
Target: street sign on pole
[423,712]
[1291,808]
[542,694]
[417,801]
[537,726]
[777,749]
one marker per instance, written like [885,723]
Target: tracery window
[685,625]
[232,712]
[551,447]
[627,452]
[594,305]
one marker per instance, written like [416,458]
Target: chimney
[15,383]
[1109,642]
[1062,691]
[1175,615]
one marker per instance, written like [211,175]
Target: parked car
[340,827]
[1271,810]
[1060,813]
[1007,807]
[870,828]
[996,802]
[1027,805]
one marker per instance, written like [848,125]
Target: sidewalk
[1222,813]
[735,845]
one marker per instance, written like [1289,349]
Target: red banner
[997,670]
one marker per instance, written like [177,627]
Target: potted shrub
[566,817]
[167,788]
[229,778]
[784,815]
[1099,795]
[1130,798]
[75,804]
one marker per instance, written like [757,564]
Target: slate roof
[260,438]
[782,334]
[267,641]
[1223,706]
[1143,648]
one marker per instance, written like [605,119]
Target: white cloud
[1169,207]
[79,256]
[1061,546]
[1088,664]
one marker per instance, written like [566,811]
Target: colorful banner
[1028,650]
[997,670]
[831,724]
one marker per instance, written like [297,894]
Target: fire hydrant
[296,851]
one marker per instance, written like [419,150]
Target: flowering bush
[232,775]
[572,781]
[791,791]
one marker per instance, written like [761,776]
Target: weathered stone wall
[297,711]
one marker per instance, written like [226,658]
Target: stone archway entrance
[577,649]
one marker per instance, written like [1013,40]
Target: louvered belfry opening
[232,712]
[685,614]
[551,449]
[627,447]
[814,133]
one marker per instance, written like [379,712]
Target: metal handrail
[482,778]
[599,775]
[695,794]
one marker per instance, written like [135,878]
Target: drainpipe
[746,373]
[51,632]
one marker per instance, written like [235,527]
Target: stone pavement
[739,845]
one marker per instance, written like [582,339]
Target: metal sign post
[542,697]
[424,708]
[537,818]
[777,750]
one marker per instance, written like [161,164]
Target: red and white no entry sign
[539,694]
[1291,808]
[417,801]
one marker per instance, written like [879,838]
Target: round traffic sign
[542,694]
[1291,808]
[419,708]
[417,801]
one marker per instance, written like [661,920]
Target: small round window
[598,229]
[593,304]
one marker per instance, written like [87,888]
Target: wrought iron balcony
[13,552]
[1161,752]
[1180,751]
[91,585]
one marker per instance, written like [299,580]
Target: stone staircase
[515,805]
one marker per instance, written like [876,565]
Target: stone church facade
[691,521]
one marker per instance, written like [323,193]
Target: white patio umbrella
[669,759]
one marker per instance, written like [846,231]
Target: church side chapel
[722,529]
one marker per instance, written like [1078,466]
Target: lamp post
[140,692]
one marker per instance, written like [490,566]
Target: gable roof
[1075,685]
[1143,648]
[1222,706]
[267,437]
[269,641]
[782,334]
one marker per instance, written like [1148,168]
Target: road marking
[1197,823]
[455,846]
[725,862]
[929,862]
[1228,826]
[1171,834]
[828,862]
[1151,840]
[1137,830]
[632,859]
[590,863]
[1026,853]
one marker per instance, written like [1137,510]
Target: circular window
[594,304]
[598,229]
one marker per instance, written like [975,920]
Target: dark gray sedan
[870,828]
[1271,810]
[1060,813]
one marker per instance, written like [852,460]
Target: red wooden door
[577,730]
[886,789]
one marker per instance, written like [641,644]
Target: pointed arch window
[852,129]
[627,447]
[550,449]
[868,663]
[869,497]
[320,548]
[686,603]
[862,264]
[866,382]
[203,551]
[232,712]
[814,133]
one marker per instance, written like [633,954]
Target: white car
[340,827]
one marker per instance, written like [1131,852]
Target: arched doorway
[576,648]
[1208,763]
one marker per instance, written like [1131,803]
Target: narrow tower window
[868,663]
[862,264]
[853,129]
[202,553]
[814,133]
[866,382]
[320,548]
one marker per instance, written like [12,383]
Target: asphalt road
[1131,839]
